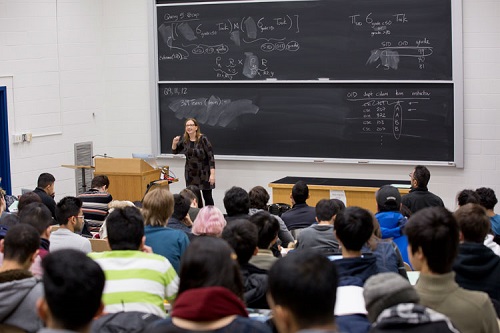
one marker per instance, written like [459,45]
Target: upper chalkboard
[305,40]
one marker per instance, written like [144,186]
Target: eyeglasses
[80,216]
[190,125]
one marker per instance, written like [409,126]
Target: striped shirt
[136,281]
[95,205]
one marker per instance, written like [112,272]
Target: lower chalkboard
[362,121]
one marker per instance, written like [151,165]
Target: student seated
[236,203]
[82,289]
[210,297]
[353,228]
[301,215]
[135,280]
[433,238]
[209,222]
[19,290]
[268,228]
[392,305]
[476,266]
[302,293]
[321,236]
[242,235]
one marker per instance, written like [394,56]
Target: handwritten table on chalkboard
[324,80]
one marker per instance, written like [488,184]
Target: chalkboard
[305,40]
[375,121]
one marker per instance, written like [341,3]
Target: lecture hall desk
[359,192]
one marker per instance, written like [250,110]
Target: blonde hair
[157,207]
[210,221]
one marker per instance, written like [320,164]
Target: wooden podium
[128,177]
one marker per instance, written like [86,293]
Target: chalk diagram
[213,110]
[182,37]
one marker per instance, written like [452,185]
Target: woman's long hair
[210,262]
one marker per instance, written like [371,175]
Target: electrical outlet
[18,138]
[29,136]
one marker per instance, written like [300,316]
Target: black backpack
[278,208]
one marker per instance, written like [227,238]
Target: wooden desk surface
[358,192]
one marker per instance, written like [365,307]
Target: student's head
[38,216]
[473,222]
[196,190]
[300,192]
[432,239]
[210,262]
[209,222]
[21,244]
[69,212]
[420,176]
[468,196]
[193,199]
[388,199]
[125,227]
[326,209]
[258,197]
[101,181]
[157,207]
[26,199]
[236,201]
[487,196]
[7,221]
[242,235]
[46,182]
[268,228]
[302,290]
[385,290]
[354,227]
[73,285]
[340,204]
[3,204]
[181,206]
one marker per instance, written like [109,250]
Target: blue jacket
[391,225]
[167,242]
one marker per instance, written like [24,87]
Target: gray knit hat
[384,290]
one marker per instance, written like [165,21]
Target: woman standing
[200,163]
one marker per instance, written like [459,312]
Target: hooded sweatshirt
[478,268]
[19,291]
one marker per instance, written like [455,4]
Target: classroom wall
[78,70]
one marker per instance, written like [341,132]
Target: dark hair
[100,181]
[209,262]
[267,226]
[300,192]
[45,179]
[258,197]
[20,243]
[37,215]
[188,194]
[487,196]
[26,199]
[473,222]
[73,285]
[9,220]
[125,227]
[422,175]
[236,201]
[340,204]
[196,190]
[67,207]
[468,196]
[435,231]
[181,206]
[305,282]
[326,209]
[354,227]
[243,237]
